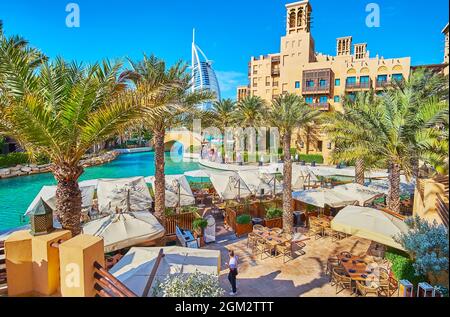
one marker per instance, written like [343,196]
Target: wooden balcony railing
[183,221]
[107,285]
[3,279]
[442,207]
[358,86]
[322,106]
[316,89]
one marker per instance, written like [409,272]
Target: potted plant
[199,225]
[274,218]
[243,225]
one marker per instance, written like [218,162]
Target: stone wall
[30,169]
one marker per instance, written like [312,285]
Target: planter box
[242,230]
[274,223]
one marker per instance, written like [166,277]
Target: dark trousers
[232,278]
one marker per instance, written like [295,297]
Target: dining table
[356,268]
[271,237]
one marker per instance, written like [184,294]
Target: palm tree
[249,110]
[169,89]
[65,110]
[346,132]
[288,113]
[222,116]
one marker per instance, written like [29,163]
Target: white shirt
[233,263]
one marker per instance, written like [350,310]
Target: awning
[370,224]
[135,267]
[229,185]
[324,197]
[256,182]
[178,190]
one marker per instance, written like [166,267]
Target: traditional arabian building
[321,79]
[203,74]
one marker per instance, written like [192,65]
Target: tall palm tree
[288,113]
[249,111]
[222,116]
[346,132]
[169,89]
[65,111]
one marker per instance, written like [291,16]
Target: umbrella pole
[153,273]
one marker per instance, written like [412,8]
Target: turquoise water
[16,194]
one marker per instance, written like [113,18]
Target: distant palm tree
[62,111]
[346,131]
[249,111]
[170,91]
[288,113]
[222,116]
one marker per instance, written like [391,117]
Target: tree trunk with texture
[394,188]
[288,217]
[160,179]
[308,141]
[359,172]
[68,197]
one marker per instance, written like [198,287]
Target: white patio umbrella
[324,197]
[371,224]
[135,267]
[301,176]
[256,182]
[178,191]
[229,185]
[363,194]
[124,230]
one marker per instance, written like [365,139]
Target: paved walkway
[270,277]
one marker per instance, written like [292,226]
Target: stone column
[19,264]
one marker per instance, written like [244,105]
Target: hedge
[309,158]
[13,159]
[402,266]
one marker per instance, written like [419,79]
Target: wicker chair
[331,264]
[251,239]
[341,281]
[262,248]
[346,254]
[258,227]
[388,284]
[364,290]
[285,250]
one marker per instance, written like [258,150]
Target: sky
[228,31]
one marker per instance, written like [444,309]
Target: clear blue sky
[229,32]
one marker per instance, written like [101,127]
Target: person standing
[233,266]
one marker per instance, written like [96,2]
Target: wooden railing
[106,285]
[442,207]
[3,278]
[183,221]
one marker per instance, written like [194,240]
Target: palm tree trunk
[308,141]
[288,217]
[359,172]
[160,179]
[394,188]
[68,197]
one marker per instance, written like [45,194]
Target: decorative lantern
[41,218]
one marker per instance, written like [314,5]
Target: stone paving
[271,277]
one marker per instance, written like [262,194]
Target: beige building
[321,79]
[446,50]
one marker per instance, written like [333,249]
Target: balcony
[358,86]
[321,106]
[317,89]
[382,84]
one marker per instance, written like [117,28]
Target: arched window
[292,19]
[299,17]
[382,69]
[351,71]
[397,68]
[364,70]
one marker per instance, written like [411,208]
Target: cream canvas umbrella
[178,191]
[229,185]
[135,267]
[370,224]
[256,182]
[124,230]
[324,197]
[302,176]
[363,194]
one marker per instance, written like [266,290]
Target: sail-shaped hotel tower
[203,74]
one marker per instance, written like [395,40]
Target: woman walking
[233,266]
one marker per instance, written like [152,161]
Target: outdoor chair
[364,290]
[262,248]
[277,230]
[346,254]
[285,250]
[388,284]
[341,281]
[251,240]
[258,227]
[315,231]
[331,264]
[299,246]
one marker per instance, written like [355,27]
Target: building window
[267,81]
[323,99]
[364,79]
[351,97]
[337,99]
[309,100]
[337,82]
[310,83]
[297,84]
[320,146]
[382,78]
[322,83]
[397,77]
[351,80]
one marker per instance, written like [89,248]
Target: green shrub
[402,266]
[189,209]
[244,219]
[199,224]
[309,158]
[169,212]
[274,213]
[13,159]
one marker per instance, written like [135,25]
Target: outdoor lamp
[329,146]
[41,219]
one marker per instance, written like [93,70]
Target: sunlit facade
[203,74]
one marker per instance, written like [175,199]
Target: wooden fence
[183,221]
[3,279]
